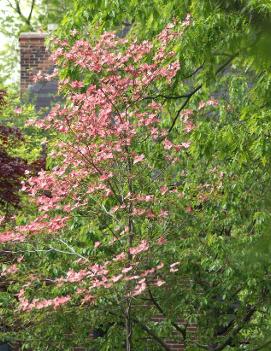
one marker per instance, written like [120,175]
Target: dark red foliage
[12,169]
[8,134]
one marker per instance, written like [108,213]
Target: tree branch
[18,10]
[194,72]
[189,96]
[180,329]
[236,330]
[155,337]
[192,93]
[31,11]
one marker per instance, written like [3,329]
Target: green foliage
[14,113]
[219,230]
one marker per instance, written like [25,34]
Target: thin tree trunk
[128,327]
[128,321]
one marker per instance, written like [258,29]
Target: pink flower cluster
[39,304]
[143,246]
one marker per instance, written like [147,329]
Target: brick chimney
[34,57]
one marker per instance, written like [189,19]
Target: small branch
[194,72]
[31,11]
[175,97]
[51,249]
[72,250]
[189,96]
[169,97]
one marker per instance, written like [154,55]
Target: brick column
[34,57]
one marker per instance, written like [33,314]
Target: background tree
[17,16]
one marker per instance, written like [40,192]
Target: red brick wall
[33,57]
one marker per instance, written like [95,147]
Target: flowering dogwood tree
[116,164]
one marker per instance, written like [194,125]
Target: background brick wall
[34,57]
